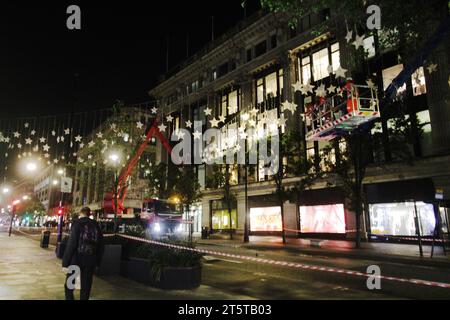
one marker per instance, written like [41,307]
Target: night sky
[119,53]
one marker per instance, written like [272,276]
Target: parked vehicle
[161,217]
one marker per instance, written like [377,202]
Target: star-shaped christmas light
[46,148]
[188,124]
[99,135]
[139,125]
[289,106]
[78,138]
[331,89]
[154,110]
[320,91]
[214,123]
[308,88]
[359,42]
[349,36]
[42,140]
[197,135]
[169,118]
[432,68]
[16,134]
[67,131]
[340,72]
[208,112]
[28,141]
[298,86]
[162,127]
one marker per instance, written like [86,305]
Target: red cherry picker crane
[114,201]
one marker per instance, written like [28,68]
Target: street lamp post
[114,158]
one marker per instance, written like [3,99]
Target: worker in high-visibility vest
[352,95]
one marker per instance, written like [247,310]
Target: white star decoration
[331,89]
[197,135]
[432,68]
[154,110]
[78,138]
[359,42]
[169,118]
[162,127]
[289,106]
[139,125]
[320,91]
[208,112]
[214,123]
[188,124]
[340,72]
[349,36]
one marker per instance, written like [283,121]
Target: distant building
[95,175]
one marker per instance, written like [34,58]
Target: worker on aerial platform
[352,95]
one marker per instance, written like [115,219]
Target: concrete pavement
[28,272]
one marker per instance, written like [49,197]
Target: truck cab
[161,217]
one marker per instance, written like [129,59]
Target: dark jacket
[71,255]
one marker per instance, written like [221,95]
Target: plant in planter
[165,268]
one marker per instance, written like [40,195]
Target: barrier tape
[291,264]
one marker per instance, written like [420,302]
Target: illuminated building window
[306,70]
[323,219]
[265,219]
[390,74]
[369,47]
[320,64]
[335,56]
[418,82]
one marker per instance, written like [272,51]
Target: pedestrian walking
[84,251]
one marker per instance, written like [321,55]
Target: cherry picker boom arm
[122,187]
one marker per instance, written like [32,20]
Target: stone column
[206,213]
[240,214]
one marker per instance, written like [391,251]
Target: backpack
[88,239]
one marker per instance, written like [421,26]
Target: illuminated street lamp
[31,167]
[114,158]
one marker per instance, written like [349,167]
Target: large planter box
[111,261]
[171,278]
